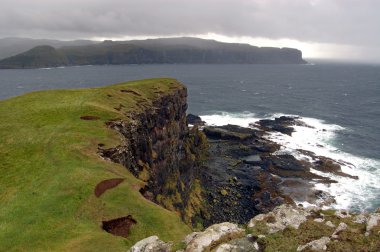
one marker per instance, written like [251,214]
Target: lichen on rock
[281,217]
[151,244]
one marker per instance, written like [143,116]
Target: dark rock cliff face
[159,148]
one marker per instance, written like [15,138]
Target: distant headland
[185,50]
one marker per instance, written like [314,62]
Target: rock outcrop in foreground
[286,228]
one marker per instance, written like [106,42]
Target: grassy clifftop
[50,167]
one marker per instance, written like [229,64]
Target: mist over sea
[340,102]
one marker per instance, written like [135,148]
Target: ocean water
[340,102]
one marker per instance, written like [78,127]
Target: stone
[259,217]
[151,244]
[242,245]
[281,124]
[373,221]
[229,132]
[256,246]
[214,235]
[342,214]
[227,248]
[249,236]
[319,220]
[342,226]
[330,224]
[252,159]
[190,237]
[314,209]
[223,192]
[320,244]
[361,218]
[281,217]
[195,120]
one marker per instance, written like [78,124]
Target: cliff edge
[58,193]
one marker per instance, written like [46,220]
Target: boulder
[281,124]
[195,120]
[361,218]
[342,226]
[281,217]
[227,248]
[373,220]
[238,245]
[213,236]
[252,159]
[151,244]
[229,132]
[190,237]
[330,224]
[318,245]
[342,214]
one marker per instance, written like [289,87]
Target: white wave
[224,118]
[319,137]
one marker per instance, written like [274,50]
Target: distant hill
[153,51]
[13,46]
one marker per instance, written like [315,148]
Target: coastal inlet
[247,174]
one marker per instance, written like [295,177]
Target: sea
[339,103]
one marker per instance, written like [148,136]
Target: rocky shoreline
[246,174]
[220,177]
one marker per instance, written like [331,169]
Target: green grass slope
[49,168]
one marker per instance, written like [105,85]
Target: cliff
[158,148]
[155,51]
[15,45]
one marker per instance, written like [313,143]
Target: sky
[335,29]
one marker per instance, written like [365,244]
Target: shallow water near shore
[341,102]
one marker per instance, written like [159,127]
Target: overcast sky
[320,28]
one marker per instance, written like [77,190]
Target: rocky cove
[215,174]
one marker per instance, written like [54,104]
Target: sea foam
[320,137]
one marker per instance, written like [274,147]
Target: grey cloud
[350,22]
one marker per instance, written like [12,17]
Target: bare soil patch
[130,91]
[104,185]
[89,118]
[120,226]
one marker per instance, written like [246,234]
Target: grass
[49,168]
